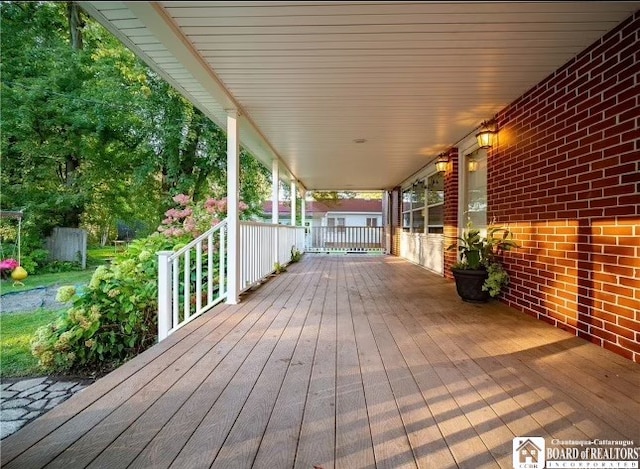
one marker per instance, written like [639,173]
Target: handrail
[202,237]
[181,297]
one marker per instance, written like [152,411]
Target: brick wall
[450,211]
[565,175]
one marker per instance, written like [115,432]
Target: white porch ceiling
[309,78]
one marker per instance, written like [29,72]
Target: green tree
[91,135]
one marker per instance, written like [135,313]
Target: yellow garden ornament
[18,275]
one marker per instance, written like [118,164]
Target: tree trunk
[75,25]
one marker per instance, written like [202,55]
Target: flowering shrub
[7,266]
[113,320]
[194,218]
[116,316]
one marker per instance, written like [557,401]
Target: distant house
[344,212]
[348,225]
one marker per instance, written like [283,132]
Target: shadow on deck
[342,361]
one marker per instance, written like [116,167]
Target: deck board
[352,361]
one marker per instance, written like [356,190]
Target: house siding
[565,176]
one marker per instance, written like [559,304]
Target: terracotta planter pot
[469,285]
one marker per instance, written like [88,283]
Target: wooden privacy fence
[68,244]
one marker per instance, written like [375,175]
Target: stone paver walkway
[29,300]
[22,400]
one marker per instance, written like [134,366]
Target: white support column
[303,216]
[303,207]
[275,203]
[293,202]
[275,188]
[233,215]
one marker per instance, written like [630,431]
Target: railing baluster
[223,258]
[176,292]
[198,277]
[187,285]
[209,269]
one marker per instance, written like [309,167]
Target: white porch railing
[264,244]
[193,279]
[346,239]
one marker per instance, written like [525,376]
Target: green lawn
[16,331]
[46,280]
[99,255]
[95,257]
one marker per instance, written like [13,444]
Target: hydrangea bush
[112,320]
[115,317]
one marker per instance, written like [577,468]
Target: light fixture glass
[442,163]
[473,165]
[486,134]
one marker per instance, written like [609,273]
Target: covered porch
[342,361]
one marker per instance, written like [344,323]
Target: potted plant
[479,275]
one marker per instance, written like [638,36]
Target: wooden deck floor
[342,361]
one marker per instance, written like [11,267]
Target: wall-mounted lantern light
[487,133]
[472,165]
[442,163]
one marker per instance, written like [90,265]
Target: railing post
[164,294]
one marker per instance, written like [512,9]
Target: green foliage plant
[279,268]
[115,317]
[295,255]
[112,320]
[479,252]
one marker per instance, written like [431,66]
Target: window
[372,222]
[435,204]
[476,190]
[336,224]
[406,210]
[413,203]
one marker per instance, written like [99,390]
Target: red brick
[621,311]
[619,331]
[617,349]
[590,338]
[629,324]
[620,211]
[629,344]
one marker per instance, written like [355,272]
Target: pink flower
[189,224]
[222,205]
[172,213]
[182,199]
[9,264]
